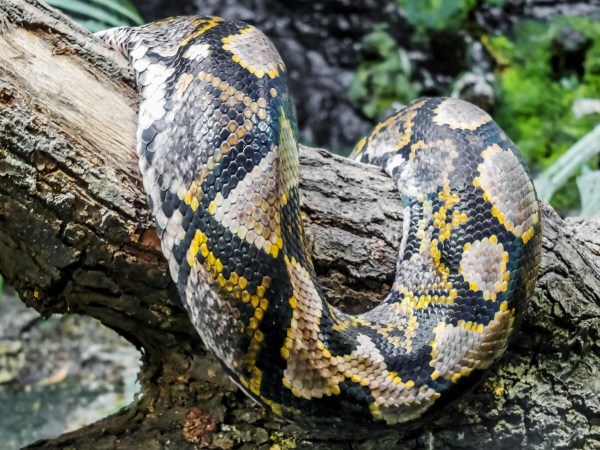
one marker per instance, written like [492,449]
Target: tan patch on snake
[312,372]
[254,51]
[460,114]
[458,350]
[483,266]
[252,208]
[310,367]
[508,187]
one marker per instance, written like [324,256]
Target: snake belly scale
[217,146]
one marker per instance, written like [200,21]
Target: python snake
[217,146]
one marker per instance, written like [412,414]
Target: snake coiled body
[217,142]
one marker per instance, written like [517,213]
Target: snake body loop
[217,142]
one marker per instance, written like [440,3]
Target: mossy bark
[76,237]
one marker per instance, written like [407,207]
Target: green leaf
[569,163]
[124,8]
[95,15]
[589,191]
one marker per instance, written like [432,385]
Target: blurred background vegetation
[96,15]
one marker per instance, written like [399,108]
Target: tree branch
[76,237]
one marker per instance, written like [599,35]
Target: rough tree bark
[76,237]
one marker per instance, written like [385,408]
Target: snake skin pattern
[217,142]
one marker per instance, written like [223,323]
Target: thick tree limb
[75,236]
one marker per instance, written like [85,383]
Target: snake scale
[217,146]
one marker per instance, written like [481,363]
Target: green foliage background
[383,78]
